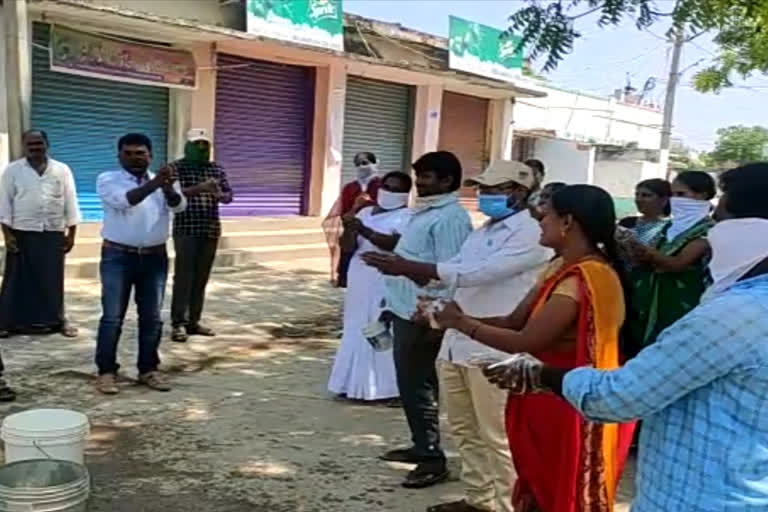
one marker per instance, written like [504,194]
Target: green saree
[659,299]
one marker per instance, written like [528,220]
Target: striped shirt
[702,392]
[434,234]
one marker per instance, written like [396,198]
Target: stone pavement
[248,426]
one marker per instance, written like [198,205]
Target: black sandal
[426,475]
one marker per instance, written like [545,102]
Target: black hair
[593,208]
[134,139]
[404,178]
[699,182]
[368,156]
[42,134]
[444,164]
[555,186]
[661,188]
[537,165]
[745,190]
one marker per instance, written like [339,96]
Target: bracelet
[473,332]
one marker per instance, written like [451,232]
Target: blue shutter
[84,117]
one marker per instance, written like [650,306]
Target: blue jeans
[146,274]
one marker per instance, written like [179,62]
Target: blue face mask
[496,206]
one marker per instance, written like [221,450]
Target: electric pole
[669,101]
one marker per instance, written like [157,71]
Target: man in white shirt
[39,216]
[137,215]
[497,265]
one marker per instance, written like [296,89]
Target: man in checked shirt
[196,233]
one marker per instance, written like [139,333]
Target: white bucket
[44,485]
[45,433]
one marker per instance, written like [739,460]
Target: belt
[155,249]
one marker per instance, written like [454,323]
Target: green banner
[80,53]
[310,22]
[483,50]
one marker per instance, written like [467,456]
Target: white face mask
[392,200]
[686,212]
[737,246]
[365,171]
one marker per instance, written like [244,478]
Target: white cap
[504,171]
[196,134]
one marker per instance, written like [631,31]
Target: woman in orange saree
[570,319]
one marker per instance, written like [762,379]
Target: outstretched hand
[387,264]
[520,374]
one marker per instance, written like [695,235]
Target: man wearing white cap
[496,267]
[196,233]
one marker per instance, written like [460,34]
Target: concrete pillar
[500,115]
[592,160]
[18,69]
[179,107]
[426,119]
[4,150]
[201,111]
[327,139]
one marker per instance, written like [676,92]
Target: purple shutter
[263,134]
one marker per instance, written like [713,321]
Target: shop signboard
[483,50]
[81,53]
[309,22]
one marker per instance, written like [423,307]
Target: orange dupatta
[566,463]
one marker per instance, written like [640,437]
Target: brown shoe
[153,380]
[107,384]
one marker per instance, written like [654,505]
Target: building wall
[589,118]
[3,96]
[209,12]
[619,176]
[565,160]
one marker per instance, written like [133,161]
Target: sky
[601,60]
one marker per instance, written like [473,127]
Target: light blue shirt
[145,224]
[702,392]
[434,234]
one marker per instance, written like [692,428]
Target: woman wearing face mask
[359,372]
[570,318]
[355,195]
[669,279]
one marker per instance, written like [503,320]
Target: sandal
[69,331]
[153,380]
[405,455]
[426,475]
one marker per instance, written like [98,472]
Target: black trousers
[415,351]
[192,268]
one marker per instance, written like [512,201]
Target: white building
[583,138]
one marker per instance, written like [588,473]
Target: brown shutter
[463,127]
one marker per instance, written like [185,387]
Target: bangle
[473,332]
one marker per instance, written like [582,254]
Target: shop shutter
[263,134]
[377,118]
[463,127]
[84,118]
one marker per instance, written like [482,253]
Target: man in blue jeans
[137,214]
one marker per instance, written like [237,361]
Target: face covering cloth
[686,212]
[737,246]
[392,200]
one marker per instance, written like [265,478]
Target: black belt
[155,249]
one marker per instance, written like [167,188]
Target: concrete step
[283,242]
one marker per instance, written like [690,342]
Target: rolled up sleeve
[700,348]
[112,192]
[182,204]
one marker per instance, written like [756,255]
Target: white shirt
[33,202]
[145,224]
[497,266]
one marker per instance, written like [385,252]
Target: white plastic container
[44,485]
[45,433]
